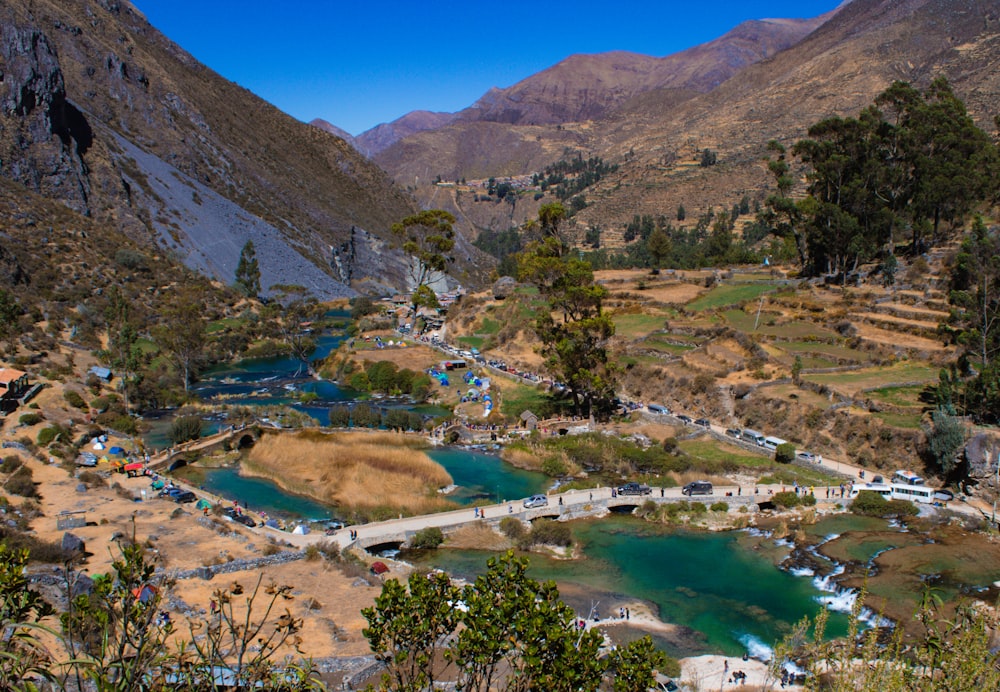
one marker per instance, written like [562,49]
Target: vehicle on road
[183,497]
[239,517]
[536,501]
[697,488]
[635,489]
[806,456]
[734,432]
[658,408]
[703,422]
[685,419]
[753,437]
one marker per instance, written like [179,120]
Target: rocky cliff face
[103,113]
[44,135]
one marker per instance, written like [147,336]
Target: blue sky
[358,64]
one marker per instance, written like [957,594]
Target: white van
[753,437]
[773,442]
[907,478]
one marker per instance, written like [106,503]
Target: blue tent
[116,450]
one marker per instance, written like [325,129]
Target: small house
[529,420]
[101,373]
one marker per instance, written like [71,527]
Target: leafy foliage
[872,504]
[248,271]
[184,428]
[945,437]
[510,632]
[429,537]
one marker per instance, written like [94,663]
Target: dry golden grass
[355,470]
[521,458]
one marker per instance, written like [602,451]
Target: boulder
[73,544]
[504,287]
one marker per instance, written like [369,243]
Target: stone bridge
[175,457]
[574,504]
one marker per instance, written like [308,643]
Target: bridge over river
[573,504]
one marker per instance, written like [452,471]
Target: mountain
[730,96]
[581,88]
[100,111]
[381,137]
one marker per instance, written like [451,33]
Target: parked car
[239,517]
[635,489]
[685,419]
[184,497]
[806,456]
[734,432]
[536,501]
[697,488]
[170,491]
[703,422]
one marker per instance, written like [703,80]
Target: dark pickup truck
[635,489]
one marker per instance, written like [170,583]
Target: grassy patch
[856,380]
[224,324]
[824,349]
[711,455]
[489,326]
[899,396]
[730,294]
[660,344]
[909,421]
[516,398]
[633,326]
[471,341]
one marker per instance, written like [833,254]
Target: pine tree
[248,272]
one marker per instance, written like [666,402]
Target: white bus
[898,491]
[773,442]
[907,478]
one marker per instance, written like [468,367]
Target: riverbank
[364,474]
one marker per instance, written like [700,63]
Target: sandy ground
[716,673]
[328,601]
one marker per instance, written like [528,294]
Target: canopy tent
[300,530]
[272,523]
[157,484]
[116,450]
[203,504]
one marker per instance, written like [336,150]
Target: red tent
[379,568]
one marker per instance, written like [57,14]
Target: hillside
[102,112]
[657,134]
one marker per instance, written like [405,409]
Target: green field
[635,325]
[717,457]
[489,326]
[899,396]
[471,341]
[517,398]
[895,374]
[730,294]
[824,349]
[909,421]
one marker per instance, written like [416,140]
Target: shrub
[719,507]
[787,499]
[74,399]
[100,404]
[551,533]
[10,464]
[430,537]
[512,528]
[185,428]
[30,419]
[21,483]
[784,453]
[553,467]
[872,504]
[47,435]
[698,508]
[92,479]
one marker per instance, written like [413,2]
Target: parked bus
[753,437]
[899,491]
[773,442]
[907,478]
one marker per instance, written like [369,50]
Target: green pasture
[489,326]
[906,371]
[730,294]
[635,325]
[516,398]
[471,341]
[224,324]
[908,421]
[824,349]
[908,396]
[714,456]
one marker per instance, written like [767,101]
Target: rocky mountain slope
[656,131]
[102,112]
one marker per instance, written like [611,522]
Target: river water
[732,592]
